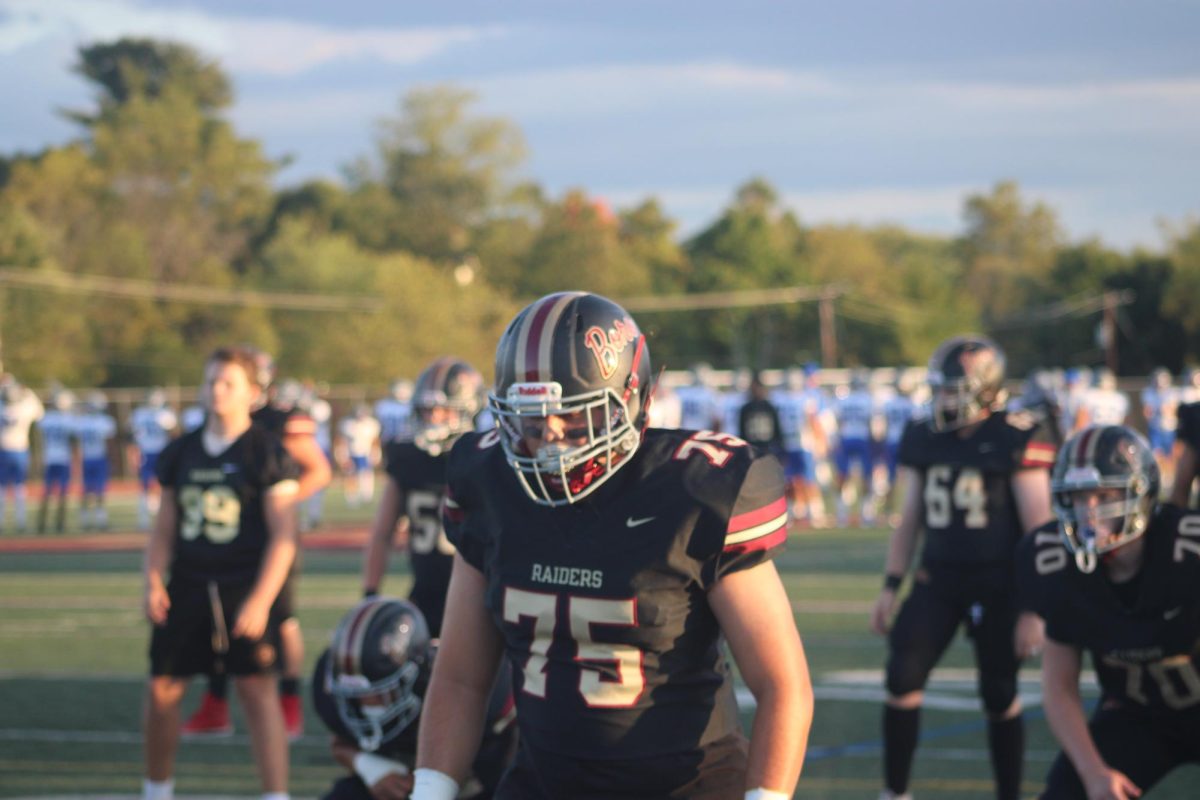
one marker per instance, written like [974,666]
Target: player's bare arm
[1064,712]
[756,619]
[456,703]
[158,556]
[901,547]
[1187,465]
[383,534]
[315,473]
[280,508]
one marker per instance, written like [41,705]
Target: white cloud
[1178,91]
[612,88]
[244,44]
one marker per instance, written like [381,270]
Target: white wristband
[766,794]
[429,784]
[372,768]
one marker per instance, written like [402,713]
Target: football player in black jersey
[976,478]
[226,532]
[1187,454]
[1118,576]
[368,689]
[446,399]
[298,431]
[606,562]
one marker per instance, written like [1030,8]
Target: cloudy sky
[859,110]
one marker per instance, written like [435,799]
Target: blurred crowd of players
[836,431]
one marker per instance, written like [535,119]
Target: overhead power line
[1078,306]
[132,288]
[733,299]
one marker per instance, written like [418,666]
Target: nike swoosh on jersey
[1172,613]
[630,522]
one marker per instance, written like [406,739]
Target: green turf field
[72,660]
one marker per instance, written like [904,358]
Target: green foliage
[132,68]
[437,226]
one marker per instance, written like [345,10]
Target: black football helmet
[966,377]
[579,356]
[455,386]
[1104,457]
[379,663]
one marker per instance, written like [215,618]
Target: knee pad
[997,692]
[905,673]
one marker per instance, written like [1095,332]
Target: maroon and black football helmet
[379,663]
[966,377]
[579,357]
[1104,457]
[456,388]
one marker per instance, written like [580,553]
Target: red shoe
[210,719]
[293,716]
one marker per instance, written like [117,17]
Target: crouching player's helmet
[377,669]
[966,377]
[571,394]
[446,399]
[1104,487]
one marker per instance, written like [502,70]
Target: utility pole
[829,347]
[1111,301]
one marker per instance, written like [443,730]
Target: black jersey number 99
[213,512]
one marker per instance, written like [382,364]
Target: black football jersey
[1145,647]
[284,422]
[495,751]
[421,478]
[221,529]
[969,511]
[1189,425]
[602,604]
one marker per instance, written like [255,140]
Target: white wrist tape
[372,768]
[429,784]
[766,794]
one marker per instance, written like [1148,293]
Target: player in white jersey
[898,409]
[321,413]
[665,409]
[1160,405]
[94,428]
[1189,391]
[732,400]
[150,427]
[1104,403]
[1078,383]
[394,412]
[359,451]
[698,402]
[855,414]
[19,409]
[57,427]
[192,418]
[798,419]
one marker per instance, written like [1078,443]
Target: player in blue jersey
[57,429]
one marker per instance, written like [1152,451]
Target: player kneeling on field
[368,689]
[1117,575]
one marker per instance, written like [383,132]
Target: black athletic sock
[900,729]
[289,686]
[1006,740]
[218,685]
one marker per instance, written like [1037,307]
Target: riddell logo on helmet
[606,346]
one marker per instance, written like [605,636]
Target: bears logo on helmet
[578,360]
